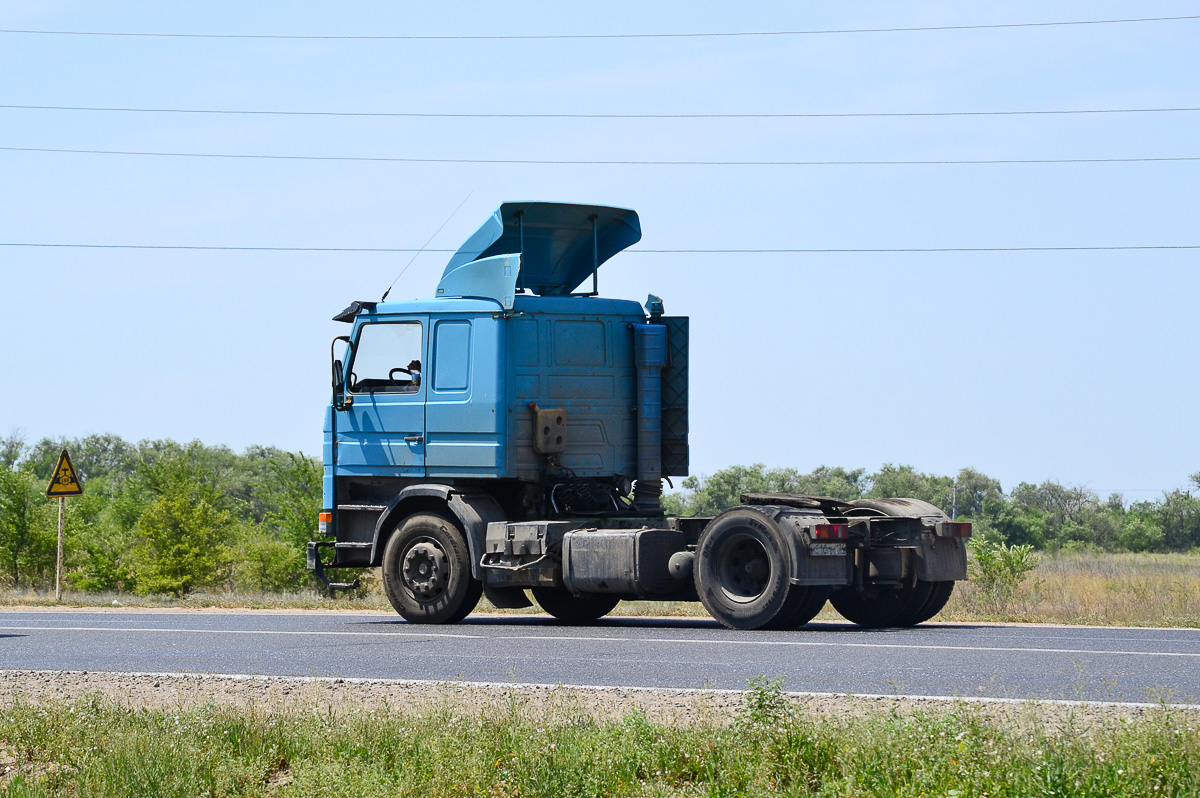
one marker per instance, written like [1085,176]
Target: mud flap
[941,559]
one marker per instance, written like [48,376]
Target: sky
[1078,366]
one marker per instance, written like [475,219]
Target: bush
[998,569]
[263,562]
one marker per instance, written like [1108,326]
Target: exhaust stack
[650,357]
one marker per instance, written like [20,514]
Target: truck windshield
[387,358]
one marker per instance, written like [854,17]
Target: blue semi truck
[510,436]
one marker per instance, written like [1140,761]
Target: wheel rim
[425,569]
[744,568]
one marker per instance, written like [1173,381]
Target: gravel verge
[165,692]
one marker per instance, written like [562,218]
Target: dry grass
[301,600]
[1095,589]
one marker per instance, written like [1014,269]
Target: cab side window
[387,358]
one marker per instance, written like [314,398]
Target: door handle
[414,438]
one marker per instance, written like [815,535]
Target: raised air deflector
[486,278]
[560,246]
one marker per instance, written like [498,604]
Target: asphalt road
[1048,662]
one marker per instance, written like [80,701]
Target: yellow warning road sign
[65,481]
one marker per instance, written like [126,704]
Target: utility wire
[551,162]
[545,36]
[634,251]
[425,246]
[430,115]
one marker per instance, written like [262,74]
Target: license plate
[827,549]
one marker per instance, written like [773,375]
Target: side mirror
[340,401]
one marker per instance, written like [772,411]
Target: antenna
[422,249]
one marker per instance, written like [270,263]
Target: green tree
[1179,516]
[1140,529]
[12,449]
[101,534]
[971,490]
[182,536]
[1016,524]
[294,489]
[28,528]
[904,481]
[724,489]
[710,495]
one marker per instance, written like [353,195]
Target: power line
[552,162]
[574,36]
[431,115]
[917,249]
[635,251]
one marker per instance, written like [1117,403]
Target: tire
[882,608]
[802,605]
[912,604]
[427,571]
[741,570]
[937,602]
[567,607]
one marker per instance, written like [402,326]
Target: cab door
[382,431]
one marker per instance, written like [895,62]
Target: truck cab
[511,434]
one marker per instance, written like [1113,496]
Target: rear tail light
[830,532]
[954,529]
[324,519]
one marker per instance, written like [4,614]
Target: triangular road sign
[65,481]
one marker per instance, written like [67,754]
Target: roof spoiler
[560,244]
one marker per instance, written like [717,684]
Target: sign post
[64,483]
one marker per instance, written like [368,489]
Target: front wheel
[566,606]
[427,571]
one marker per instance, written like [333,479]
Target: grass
[1100,589]
[101,749]
[1075,588]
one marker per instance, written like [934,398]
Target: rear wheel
[881,607]
[741,572]
[937,601]
[915,602]
[427,571]
[566,606]
[802,605]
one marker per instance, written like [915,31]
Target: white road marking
[606,688]
[640,640]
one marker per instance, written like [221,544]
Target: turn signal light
[324,519]
[830,532]
[954,529]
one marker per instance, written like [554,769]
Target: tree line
[162,517]
[1049,516]
[159,517]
